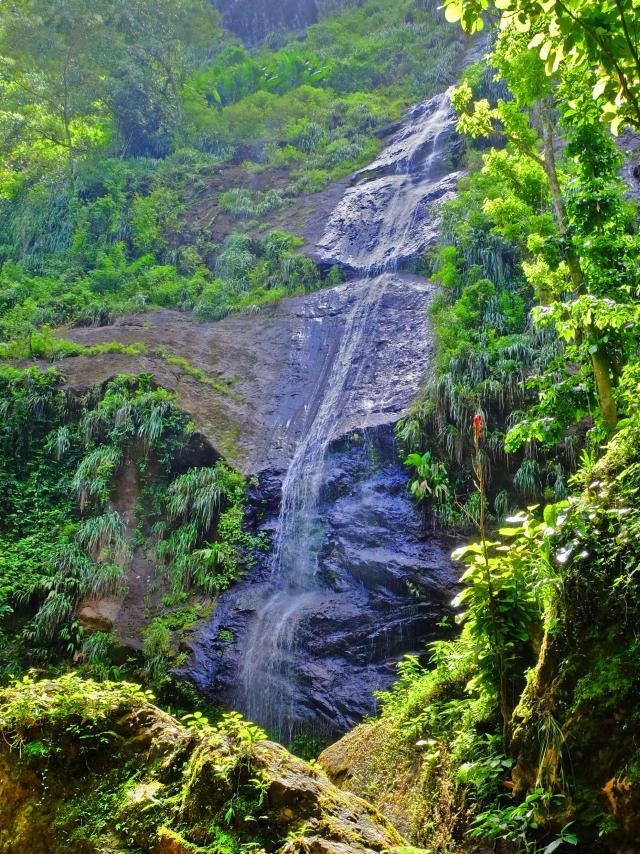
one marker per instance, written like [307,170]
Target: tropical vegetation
[151,162]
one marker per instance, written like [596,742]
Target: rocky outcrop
[252,20]
[384,587]
[263,373]
[372,761]
[87,767]
[411,781]
[390,214]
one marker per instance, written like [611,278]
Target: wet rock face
[274,364]
[629,143]
[319,628]
[381,589]
[390,214]
[252,20]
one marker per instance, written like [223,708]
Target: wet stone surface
[351,583]
[382,586]
[274,364]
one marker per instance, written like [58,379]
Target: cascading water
[270,654]
[390,218]
[317,627]
[387,218]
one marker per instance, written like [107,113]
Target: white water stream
[386,218]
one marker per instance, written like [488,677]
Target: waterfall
[388,217]
[270,651]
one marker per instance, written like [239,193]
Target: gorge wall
[252,20]
[305,395]
[350,586]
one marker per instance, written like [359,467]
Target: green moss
[119,774]
[47,705]
[226,635]
[196,373]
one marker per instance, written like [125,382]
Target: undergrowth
[64,540]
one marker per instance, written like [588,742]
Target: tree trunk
[602,373]
[550,167]
[66,118]
[600,361]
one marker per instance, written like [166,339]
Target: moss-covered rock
[95,767]
[376,762]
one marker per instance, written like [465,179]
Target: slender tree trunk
[550,167]
[602,373]
[600,361]
[67,119]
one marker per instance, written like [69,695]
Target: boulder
[96,767]
[99,615]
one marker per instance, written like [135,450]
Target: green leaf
[509,532]
[599,88]
[545,50]
[453,12]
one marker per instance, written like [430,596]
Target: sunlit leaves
[576,33]
[468,13]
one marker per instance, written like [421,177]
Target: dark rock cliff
[384,586]
[252,20]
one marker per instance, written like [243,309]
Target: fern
[94,474]
[197,495]
[104,535]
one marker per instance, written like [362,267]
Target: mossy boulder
[95,767]
[409,785]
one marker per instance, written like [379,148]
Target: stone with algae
[97,767]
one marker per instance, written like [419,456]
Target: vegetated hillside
[145,160]
[155,185]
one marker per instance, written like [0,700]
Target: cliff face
[252,20]
[97,768]
[261,373]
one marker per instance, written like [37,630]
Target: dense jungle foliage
[67,536]
[131,132]
[148,160]
[524,727]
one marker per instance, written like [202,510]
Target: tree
[71,70]
[599,35]
[51,88]
[535,102]
[152,46]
